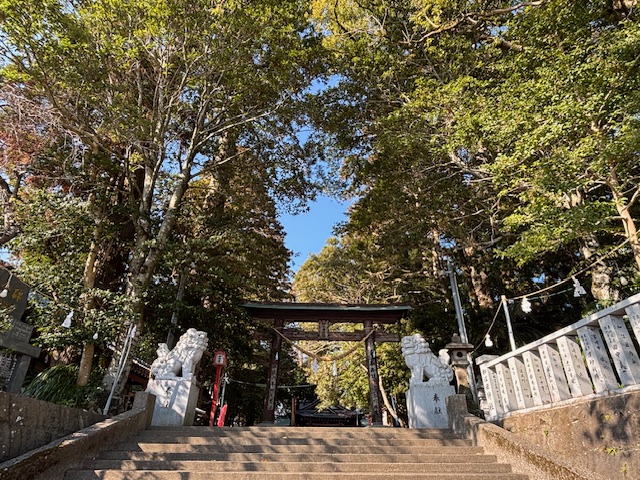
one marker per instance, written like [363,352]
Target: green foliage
[349,270]
[53,246]
[502,138]
[58,385]
[155,101]
[6,321]
[147,144]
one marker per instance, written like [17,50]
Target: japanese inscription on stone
[577,376]
[623,353]
[520,383]
[491,391]
[597,359]
[537,380]
[633,312]
[505,383]
[20,331]
[552,364]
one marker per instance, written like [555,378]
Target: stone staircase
[290,453]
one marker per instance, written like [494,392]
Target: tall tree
[478,126]
[151,88]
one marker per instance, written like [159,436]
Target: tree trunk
[146,256]
[89,281]
[182,282]
[10,228]
[631,231]
[387,404]
[122,359]
[601,287]
[437,268]
[628,223]
[86,362]
[479,284]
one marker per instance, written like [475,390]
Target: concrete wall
[28,423]
[524,457]
[51,461]
[600,435]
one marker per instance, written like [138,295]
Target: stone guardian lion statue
[183,359]
[423,363]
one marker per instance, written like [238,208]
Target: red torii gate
[324,315]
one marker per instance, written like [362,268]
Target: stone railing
[595,356]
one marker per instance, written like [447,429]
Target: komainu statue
[183,359]
[422,362]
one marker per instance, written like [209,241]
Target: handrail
[570,363]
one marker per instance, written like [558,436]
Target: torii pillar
[269,412]
[372,370]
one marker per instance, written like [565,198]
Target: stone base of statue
[176,401]
[426,405]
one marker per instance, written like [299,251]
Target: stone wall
[51,461]
[601,435]
[27,423]
[523,456]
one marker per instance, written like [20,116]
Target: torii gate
[324,315]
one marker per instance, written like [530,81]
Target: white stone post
[556,379]
[520,383]
[491,391]
[537,380]
[598,363]
[633,312]
[505,384]
[577,376]
[624,355]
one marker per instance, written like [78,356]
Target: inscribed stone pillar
[623,353]
[520,383]
[577,376]
[633,312]
[19,373]
[537,380]
[505,385]
[491,387]
[597,358]
[16,340]
[556,379]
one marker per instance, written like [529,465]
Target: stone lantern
[462,367]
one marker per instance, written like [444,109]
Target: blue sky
[306,233]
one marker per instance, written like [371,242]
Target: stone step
[425,448]
[342,432]
[286,453]
[439,455]
[184,474]
[329,441]
[298,467]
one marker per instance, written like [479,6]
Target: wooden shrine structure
[282,315]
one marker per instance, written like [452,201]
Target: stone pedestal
[426,405]
[176,401]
